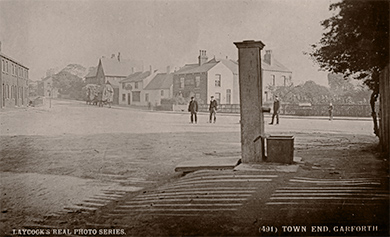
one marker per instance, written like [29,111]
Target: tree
[69,85]
[356,43]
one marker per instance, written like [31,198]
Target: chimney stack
[202,57]
[119,56]
[113,55]
[267,56]
[168,69]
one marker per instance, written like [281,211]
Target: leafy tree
[68,84]
[307,92]
[356,43]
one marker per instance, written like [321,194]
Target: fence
[347,110]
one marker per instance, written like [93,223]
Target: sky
[45,34]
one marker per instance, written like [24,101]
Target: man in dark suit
[193,108]
[213,109]
[276,110]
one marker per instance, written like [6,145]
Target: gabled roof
[275,66]
[92,73]
[138,76]
[195,68]
[47,78]
[160,81]
[232,65]
[123,68]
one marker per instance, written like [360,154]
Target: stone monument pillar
[251,90]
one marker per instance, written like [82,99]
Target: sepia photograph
[194,118]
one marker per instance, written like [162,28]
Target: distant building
[13,82]
[161,87]
[90,78]
[32,88]
[216,77]
[46,88]
[274,74]
[113,70]
[132,88]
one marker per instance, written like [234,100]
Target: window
[2,65]
[273,80]
[218,80]
[136,85]
[147,97]
[181,82]
[6,66]
[285,82]
[136,96]
[218,97]
[162,92]
[197,81]
[228,96]
[123,97]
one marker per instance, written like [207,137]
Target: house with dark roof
[132,89]
[114,70]
[215,77]
[274,74]
[160,87]
[90,78]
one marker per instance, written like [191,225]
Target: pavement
[339,196]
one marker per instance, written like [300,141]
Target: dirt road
[53,159]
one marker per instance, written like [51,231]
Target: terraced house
[132,88]
[13,82]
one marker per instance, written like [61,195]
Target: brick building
[13,82]
[216,77]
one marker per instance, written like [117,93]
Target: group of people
[193,109]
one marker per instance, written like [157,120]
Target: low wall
[345,110]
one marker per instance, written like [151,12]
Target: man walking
[276,110]
[330,109]
[193,108]
[213,109]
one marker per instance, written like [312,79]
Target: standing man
[330,109]
[193,108]
[276,110]
[213,109]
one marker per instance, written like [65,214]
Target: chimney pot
[202,57]
[268,56]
